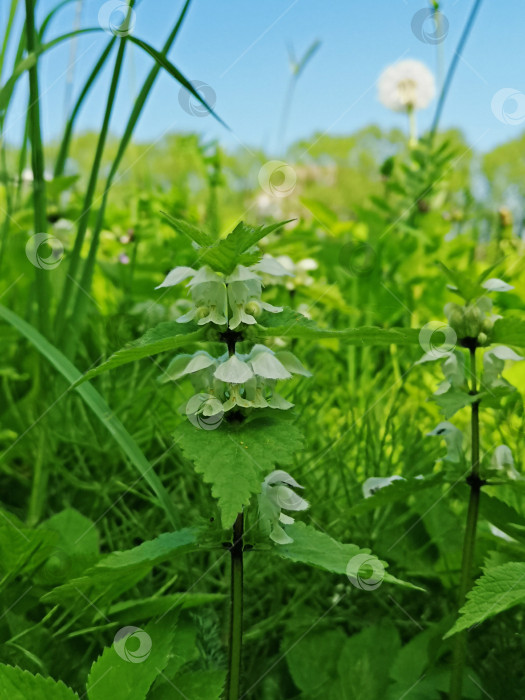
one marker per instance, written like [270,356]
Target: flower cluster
[226,300]
[475,320]
[276,496]
[239,380]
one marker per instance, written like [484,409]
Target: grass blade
[99,407]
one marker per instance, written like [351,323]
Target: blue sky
[238,47]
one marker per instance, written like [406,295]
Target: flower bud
[456,318]
[487,325]
[253,308]
[482,339]
[202,312]
[473,321]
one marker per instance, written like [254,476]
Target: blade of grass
[175,72]
[31,59]
[83,220]
[68,130]
[452,68]
[87,273]
[7,33]
[50,16]
[37,163]
[99,407]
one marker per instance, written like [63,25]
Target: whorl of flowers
[226,299]
[240,380]
[406,86]
[231,302]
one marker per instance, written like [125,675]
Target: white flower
[244,296]
[374,483]
[494,364]
[453,438]
[276,496]
[406,86]
[503,462]
[496,285]
[297,271]
[211,293]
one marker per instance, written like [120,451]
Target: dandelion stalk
[412,127]
[235,641]
[475,483]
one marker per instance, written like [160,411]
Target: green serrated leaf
[498,589]
[153,551]
[313,661]
[234,250]
[167,336]
[292,324]
[315,548]
[467,288]
[119,571]
[17,684]
[236,460]
[509,331]
[197,685]
[189,230]
[502,515]
[77,533]
[118,678]
[453,400]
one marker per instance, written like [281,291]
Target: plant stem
[412,128]
[460,642]
[37,162]
[74,262]
[235,641]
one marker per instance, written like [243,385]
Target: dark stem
[469,543]
[235,642]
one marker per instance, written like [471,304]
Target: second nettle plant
[239,431]
[473,333]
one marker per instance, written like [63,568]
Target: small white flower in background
[297,271]
[503,462]
[406,86]
[453,438]
[374,483]
[276,496]
[496,285]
